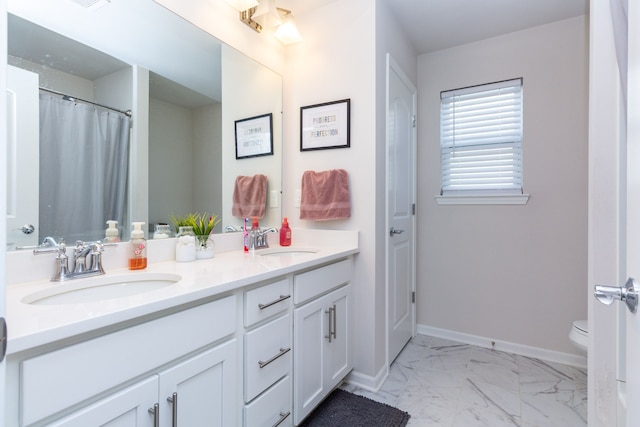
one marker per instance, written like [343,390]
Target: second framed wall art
[325,126]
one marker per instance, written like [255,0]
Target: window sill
[520,199]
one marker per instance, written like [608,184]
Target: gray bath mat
[342,408]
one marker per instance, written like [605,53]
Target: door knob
[628,294]
[26,229]
[394,231]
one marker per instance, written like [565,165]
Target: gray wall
[512,273]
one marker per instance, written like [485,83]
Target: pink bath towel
[325,195]
[250,196]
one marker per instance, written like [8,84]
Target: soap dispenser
[138,250]
[285,233]
[111,233]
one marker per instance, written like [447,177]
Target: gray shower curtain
[84,169]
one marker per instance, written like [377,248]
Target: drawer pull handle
[283,351]
[332,323]
[328,336]
[269,304]
[156,414]
[173,399]
[283,416]
[335,323]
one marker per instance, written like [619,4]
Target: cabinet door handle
[335,323]
[331,318]
[173,399]
[283,351]
[283,416]
[156,414]
[269,304]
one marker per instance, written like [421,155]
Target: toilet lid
[581,325]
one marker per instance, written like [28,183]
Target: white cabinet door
[310,326]
[338,361]
[322,355]
[127,408]
[201,390]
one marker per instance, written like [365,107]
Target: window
[481,140]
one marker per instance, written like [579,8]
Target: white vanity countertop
[35,325]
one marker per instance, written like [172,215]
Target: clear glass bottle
[185,244]
[162,231]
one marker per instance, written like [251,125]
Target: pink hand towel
[250,196]
[325,195]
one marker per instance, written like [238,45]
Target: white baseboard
[510,347]
[367,382]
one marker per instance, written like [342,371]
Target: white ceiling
[439,24]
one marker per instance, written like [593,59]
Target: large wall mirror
[174,154]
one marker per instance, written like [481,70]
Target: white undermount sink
[286,251]
[100,288]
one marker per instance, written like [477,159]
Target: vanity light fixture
[266,14]
[287,32]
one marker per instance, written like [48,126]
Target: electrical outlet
[274,199]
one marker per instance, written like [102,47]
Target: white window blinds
[481,138]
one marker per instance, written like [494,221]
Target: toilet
[579,335]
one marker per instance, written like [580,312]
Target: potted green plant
[202,225]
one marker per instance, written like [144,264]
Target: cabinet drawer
[267,356]
[272,408]
[266,301]
[316,282]
[59,379]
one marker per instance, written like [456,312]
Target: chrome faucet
[258,238]
[92,250]
[231,229]
[87,259]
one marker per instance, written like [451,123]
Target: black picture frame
[254,136]
[325,126]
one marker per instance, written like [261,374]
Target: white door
[23,118]
[3,190]
[401,184]
[632,368]
[618,404]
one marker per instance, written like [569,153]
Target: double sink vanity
[253,339]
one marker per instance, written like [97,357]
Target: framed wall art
[254,136]
[324,126]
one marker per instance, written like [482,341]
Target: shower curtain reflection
[84,169]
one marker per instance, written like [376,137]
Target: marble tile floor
[445,383]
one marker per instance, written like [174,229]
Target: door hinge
[413,297]
[3,338]
[413,121]
[413,209]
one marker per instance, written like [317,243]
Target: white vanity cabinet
[259,350]
[322,334]
[115,378]
[267,355]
